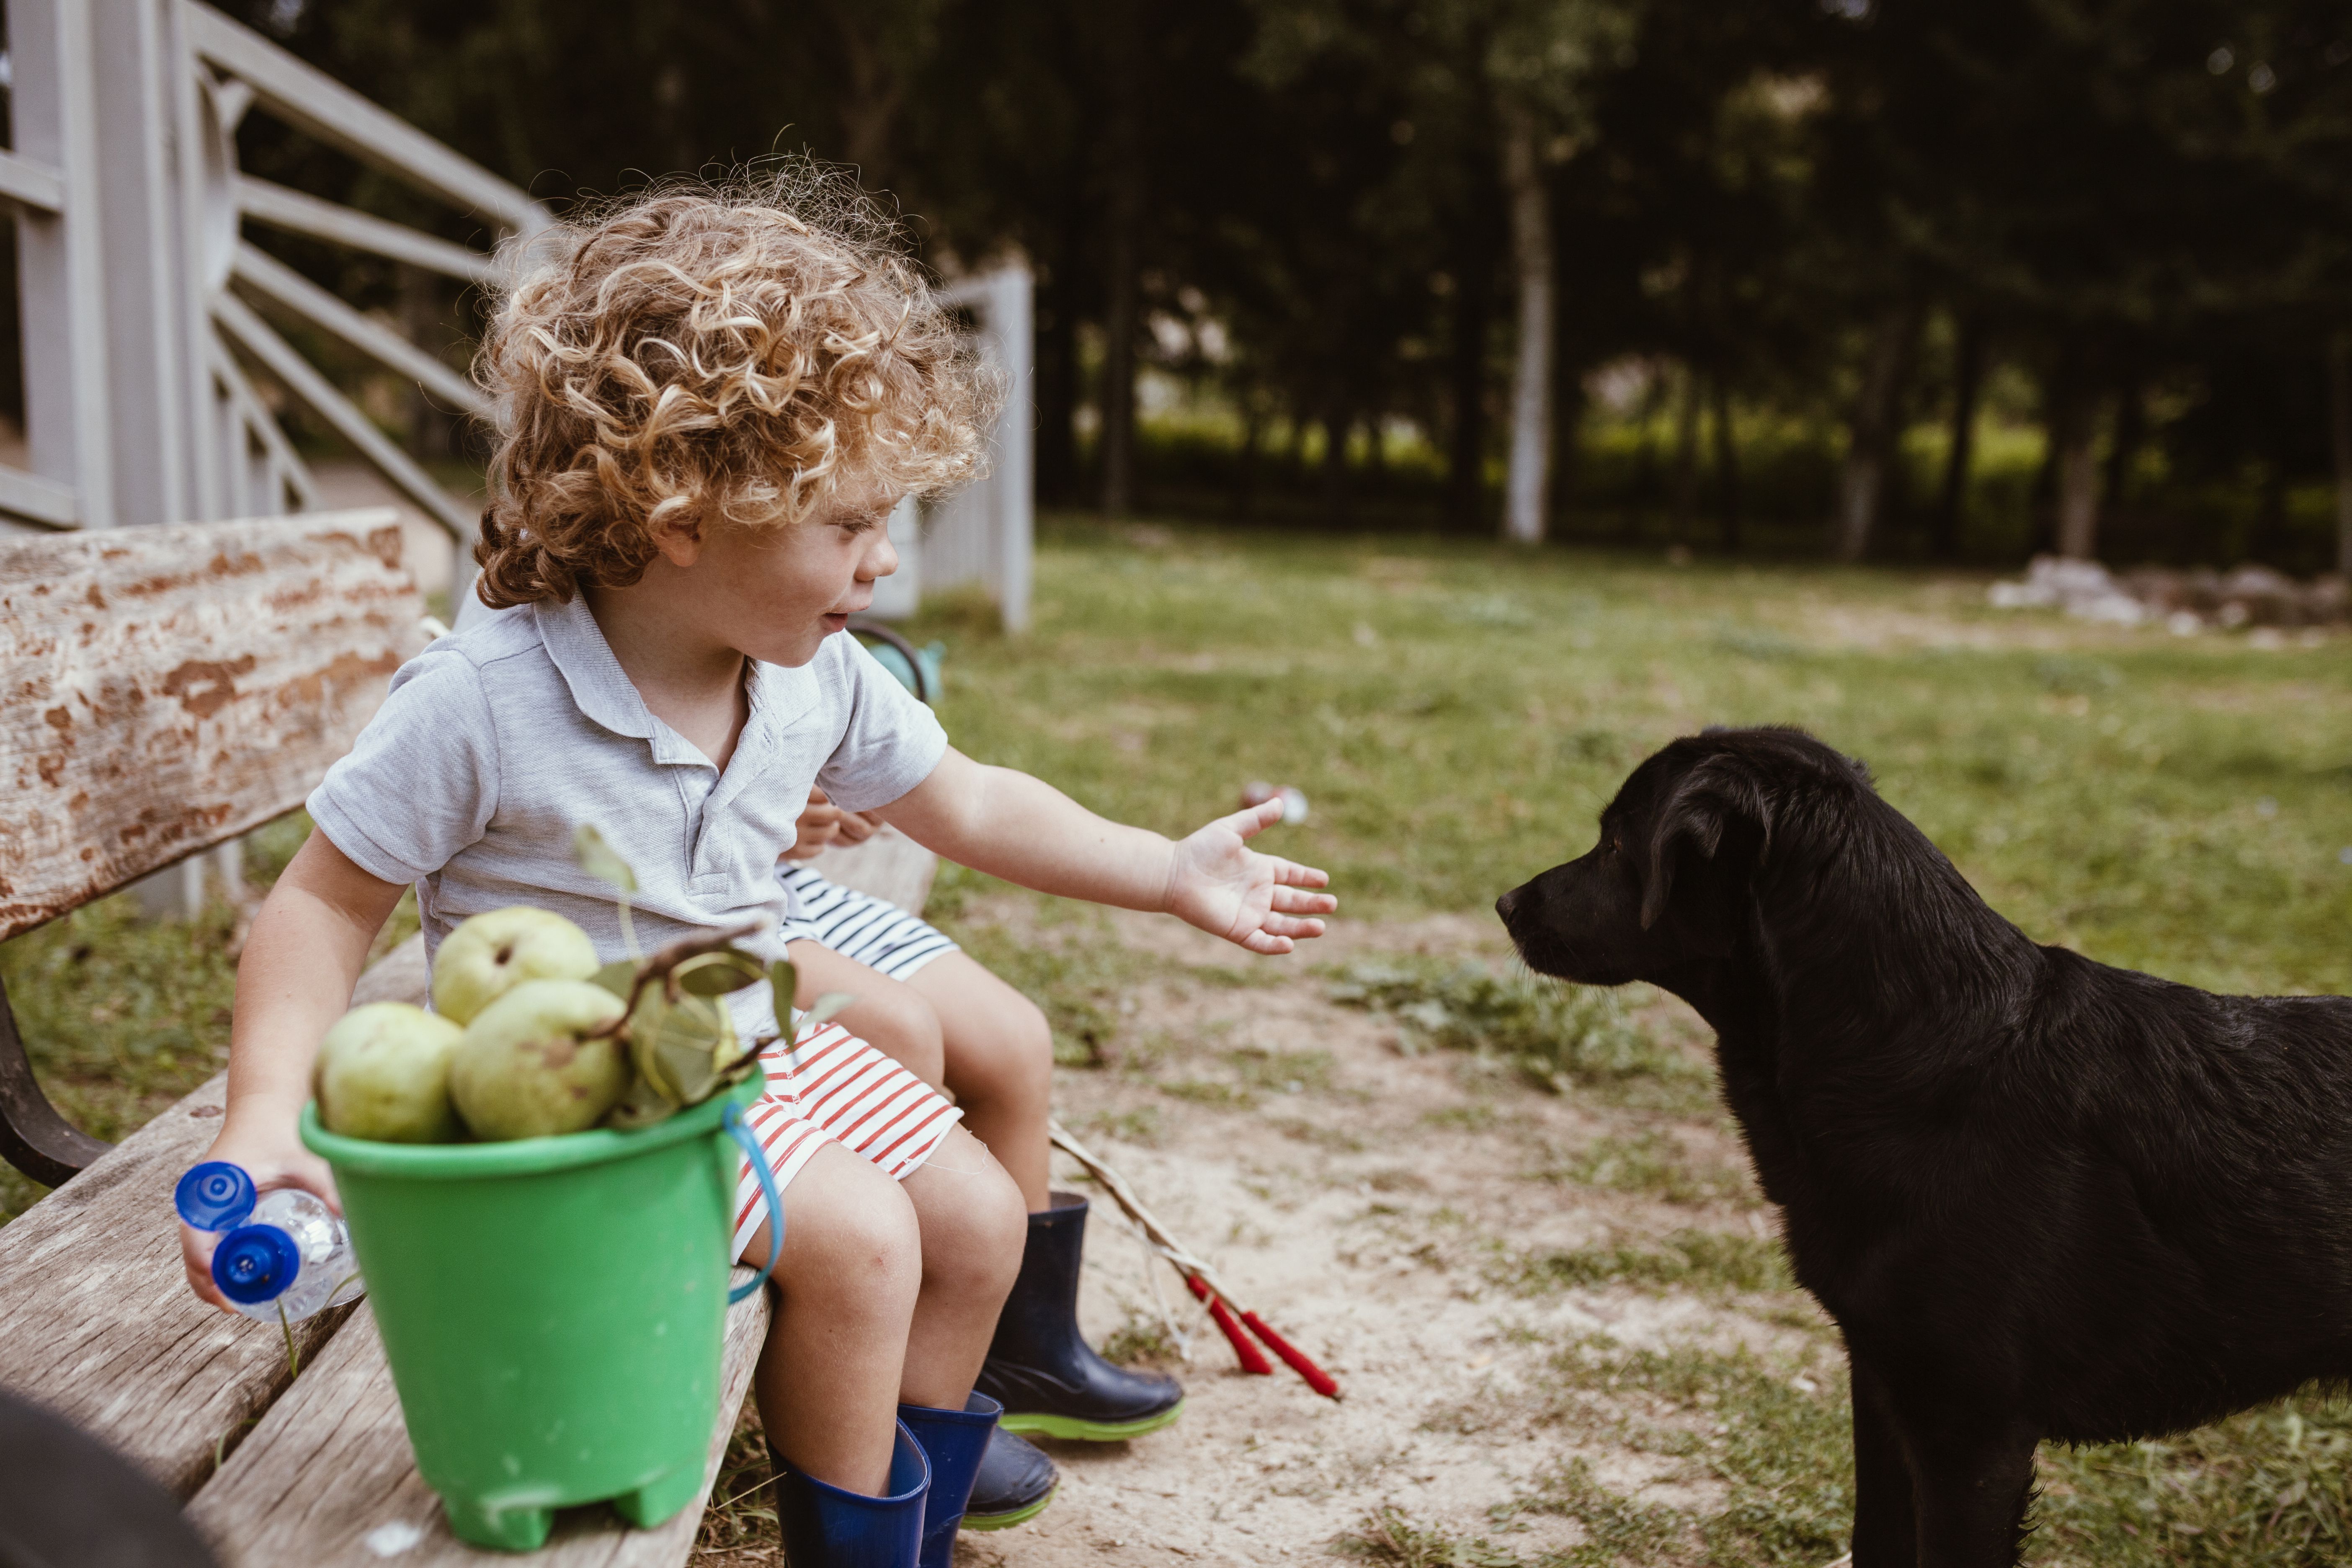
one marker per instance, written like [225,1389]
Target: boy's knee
[975,1226]
[903,1026]
[1004,1043]
[868,1249]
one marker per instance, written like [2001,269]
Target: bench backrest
[168,688]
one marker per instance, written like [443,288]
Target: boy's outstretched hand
[1216,882]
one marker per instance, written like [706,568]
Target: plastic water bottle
[285,1255]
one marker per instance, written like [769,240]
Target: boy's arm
[301,958]
[1024,830]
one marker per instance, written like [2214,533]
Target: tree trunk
[1568,400]
[1683,498]
[1968,386]
[1245,468]
[1862,487]
[2339,390]
[1338,426]
[1061,306]
[2076,436]
[1474,309]
[1120,323]
[1528,478]
[1727,462]
[869,95]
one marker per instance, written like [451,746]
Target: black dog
[2041,1196]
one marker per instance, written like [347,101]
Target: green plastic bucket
[552,1308]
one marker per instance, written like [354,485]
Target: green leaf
[787,982]
[616,977]
[597,858]
[641,1107]
[715,974]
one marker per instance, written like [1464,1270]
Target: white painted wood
[35,187]
[36,499]
[280,468]
[147,387]
[280,208]
[312,101]
[61,261]
[984,533]
[315,393]
[268,275]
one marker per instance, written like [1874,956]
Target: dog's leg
[1971,1487]
[1886,1527]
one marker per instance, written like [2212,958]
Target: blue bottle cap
[214,1195]
[254,1263]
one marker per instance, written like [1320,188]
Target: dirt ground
[1364,1201]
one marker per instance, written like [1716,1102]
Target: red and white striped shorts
[831,1087]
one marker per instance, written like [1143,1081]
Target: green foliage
[1388,1536]
[120,1016]
[1689,1259]
[1455,759]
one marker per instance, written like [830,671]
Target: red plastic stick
[1253,1360]
[1317,1378]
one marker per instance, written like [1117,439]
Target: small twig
[665,962]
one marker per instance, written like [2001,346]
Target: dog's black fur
[2041,1197]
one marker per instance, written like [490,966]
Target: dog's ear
[1718,792]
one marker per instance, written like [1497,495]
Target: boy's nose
[882,559]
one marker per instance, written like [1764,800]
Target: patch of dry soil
[1363,1201]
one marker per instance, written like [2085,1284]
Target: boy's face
[775,594]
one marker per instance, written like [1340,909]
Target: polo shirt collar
[600,687]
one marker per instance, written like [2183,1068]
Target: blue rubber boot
[827,1526]
[953,1441]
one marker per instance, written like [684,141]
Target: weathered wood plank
[889,866]
[96,1321]
[327,1480]
[164,689]
[399,975]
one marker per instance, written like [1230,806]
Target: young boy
[941,1014]
[709,402]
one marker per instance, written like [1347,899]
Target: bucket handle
[758,1159]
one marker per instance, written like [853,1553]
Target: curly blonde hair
[725,354]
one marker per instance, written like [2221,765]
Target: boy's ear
[1713,795]
[678,537]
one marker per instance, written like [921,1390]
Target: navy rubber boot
[1015,1484]
[953,1441]
[1049,1380]
[827,1527]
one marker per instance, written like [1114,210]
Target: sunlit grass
[1458,715]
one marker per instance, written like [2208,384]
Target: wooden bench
[170,689]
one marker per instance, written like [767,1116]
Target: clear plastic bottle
[282,1256]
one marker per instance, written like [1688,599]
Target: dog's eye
[1616,844]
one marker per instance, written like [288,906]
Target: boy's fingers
[1285,926]
[1292,902]
[1267,943]
[1291,873]
[1252,819]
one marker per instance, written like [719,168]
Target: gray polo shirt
[499,740]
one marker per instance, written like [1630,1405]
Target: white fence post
[984,534]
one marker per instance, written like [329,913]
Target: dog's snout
[1508,902]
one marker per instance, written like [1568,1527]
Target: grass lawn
[1457,715]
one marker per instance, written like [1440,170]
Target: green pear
[526,1068]
[498,949]
[383,1073]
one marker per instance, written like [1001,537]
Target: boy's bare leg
[1000,1065]
[847,1284]
[973,1230]
[886,1015]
